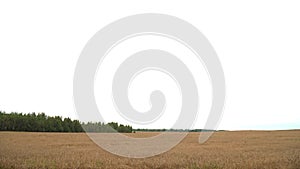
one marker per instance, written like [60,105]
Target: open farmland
[235,149]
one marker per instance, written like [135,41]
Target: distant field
[239,149]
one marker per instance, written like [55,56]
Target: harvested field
[228,149]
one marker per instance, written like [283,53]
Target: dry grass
[240,149]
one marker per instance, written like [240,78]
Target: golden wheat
[234,149]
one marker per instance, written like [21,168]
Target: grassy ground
[239,149]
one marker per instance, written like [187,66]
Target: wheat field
[228,149]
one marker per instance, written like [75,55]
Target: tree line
[42,123]
[109,127]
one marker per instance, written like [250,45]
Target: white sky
[258,43]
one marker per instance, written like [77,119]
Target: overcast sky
[258,44]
